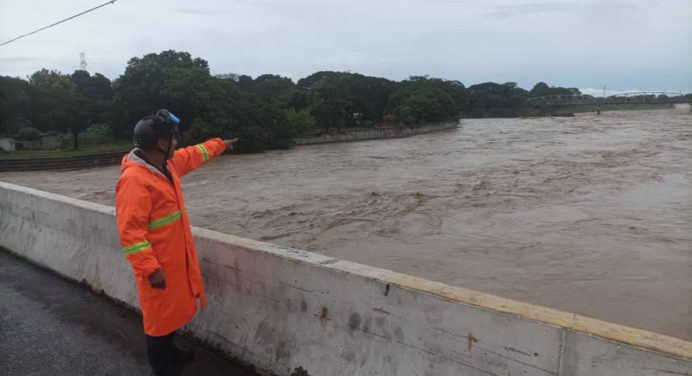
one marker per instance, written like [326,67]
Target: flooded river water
[590,214]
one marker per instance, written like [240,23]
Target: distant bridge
[660,97]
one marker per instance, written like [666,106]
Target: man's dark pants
[163,355]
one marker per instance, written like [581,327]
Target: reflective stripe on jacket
[155,233]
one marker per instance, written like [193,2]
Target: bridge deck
[51,327]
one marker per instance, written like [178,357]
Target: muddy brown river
[591,214]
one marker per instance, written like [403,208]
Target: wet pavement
[49,326]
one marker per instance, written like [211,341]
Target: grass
[84,150]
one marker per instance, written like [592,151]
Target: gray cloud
[621,44]
[534,8]
[196,11]
[16,59]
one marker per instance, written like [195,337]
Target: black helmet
[151,128]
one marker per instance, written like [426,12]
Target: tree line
[266,112]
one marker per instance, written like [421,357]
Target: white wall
[7,143]
[279,308]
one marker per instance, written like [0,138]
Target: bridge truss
[661,97]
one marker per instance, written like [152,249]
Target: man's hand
[229,143]
[157,280]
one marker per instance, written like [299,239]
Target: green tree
[169,79]
[58,105]
[258,125]
[300,121]
[15,104]
[491,99]
[96,94]
[266,112]
[542,89]
[371,97]
[422,99]
[271,88]
[331,106]
[29,133]
[357,99]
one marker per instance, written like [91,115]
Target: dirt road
[591,214]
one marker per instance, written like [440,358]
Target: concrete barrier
[290,312]
[375,134]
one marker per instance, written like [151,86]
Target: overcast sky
[624,45]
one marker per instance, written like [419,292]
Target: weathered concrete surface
[280,308]
[49,327]
[375,134]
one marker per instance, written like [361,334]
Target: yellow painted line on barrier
[667,345]
[571,321]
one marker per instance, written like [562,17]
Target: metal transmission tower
[82,61]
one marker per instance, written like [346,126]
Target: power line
[59,22]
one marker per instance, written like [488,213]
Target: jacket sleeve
[187,159]
[132,208]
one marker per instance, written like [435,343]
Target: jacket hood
[132,159]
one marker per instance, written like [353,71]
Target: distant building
[46,141]
[7,143]
[51,140]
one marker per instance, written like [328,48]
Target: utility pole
[598,105]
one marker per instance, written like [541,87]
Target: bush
[29,133]
[97,134]
[301,121]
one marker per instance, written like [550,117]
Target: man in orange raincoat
[155,234]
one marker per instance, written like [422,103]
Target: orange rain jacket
[155,233]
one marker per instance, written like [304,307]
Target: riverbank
[61,163]
[376,134]
[71,159]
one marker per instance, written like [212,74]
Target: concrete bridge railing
[290,312]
